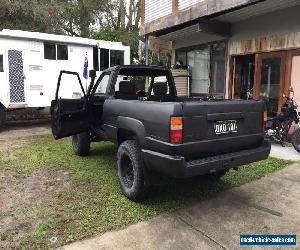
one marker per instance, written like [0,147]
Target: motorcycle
[278,127]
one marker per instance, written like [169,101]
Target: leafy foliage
[129,38]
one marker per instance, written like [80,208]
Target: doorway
[295,76]
[244,77]
[270,80]
[260,76]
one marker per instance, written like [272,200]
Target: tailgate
[222,126]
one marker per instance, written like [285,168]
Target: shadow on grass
[164,188]
[107,150]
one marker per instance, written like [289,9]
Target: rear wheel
[296,140]
[130,170]
[2,116]
[81,144]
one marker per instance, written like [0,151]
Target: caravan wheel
[2,116]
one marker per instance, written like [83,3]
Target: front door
[271,81]
[16,76]
[243,78]
[70,116]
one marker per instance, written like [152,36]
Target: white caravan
[30,63]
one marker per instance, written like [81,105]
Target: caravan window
[96,58]
[1,63]
[104,59]
[50,51]
[116,57]
[62,52]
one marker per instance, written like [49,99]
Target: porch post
[146,49]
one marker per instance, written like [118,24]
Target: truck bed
[199,118]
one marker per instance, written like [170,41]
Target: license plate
[225,127]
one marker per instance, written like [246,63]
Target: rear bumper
[176,166]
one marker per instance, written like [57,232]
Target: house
[232,48]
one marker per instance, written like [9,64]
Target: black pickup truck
[137,108]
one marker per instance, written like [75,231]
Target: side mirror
[92,73]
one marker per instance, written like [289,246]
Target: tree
[73,17]
[114,20]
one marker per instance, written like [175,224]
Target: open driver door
[69,116]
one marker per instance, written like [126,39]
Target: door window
[70,87]
[270,83]
[101,89]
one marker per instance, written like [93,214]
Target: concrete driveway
[287,153]
[270,205]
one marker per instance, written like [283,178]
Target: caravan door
[16,76]
[70,115]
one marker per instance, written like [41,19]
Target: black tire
[296,140]
[131,171]
[217,175]
[2,117]
[81,144]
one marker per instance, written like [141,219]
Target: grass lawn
[53,197]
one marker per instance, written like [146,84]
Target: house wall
[182,4]
[195,39]
[274,31]
[156,9]
[158,15]
[274,23]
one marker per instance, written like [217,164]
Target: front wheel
[296,140]
[81,144]
[130,170]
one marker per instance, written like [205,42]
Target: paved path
[270,205]
[287,153]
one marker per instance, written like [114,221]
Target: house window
[50,51]
[104,59]
[62,52]
[218,55]
[96,58]
[116,57]
[1,63]
[206,65]
[198,61]
[181,58]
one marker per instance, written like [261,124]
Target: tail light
[176,130]
[265,121]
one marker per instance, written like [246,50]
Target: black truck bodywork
[123,115]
